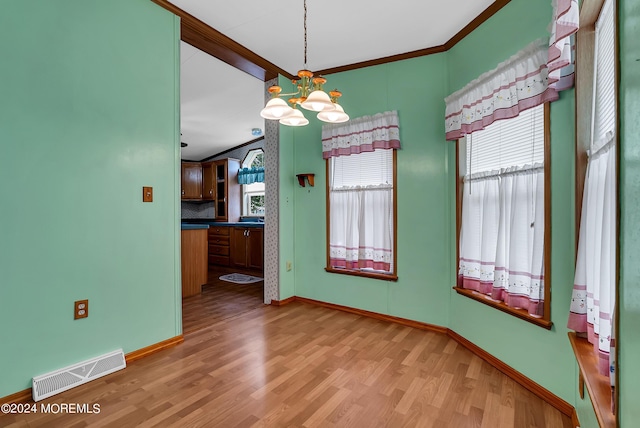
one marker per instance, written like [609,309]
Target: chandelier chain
[305,34]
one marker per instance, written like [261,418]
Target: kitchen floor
[220,300]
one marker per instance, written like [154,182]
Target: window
[502,212]
[361,195]
[361,207]
[592,313]
[253,193]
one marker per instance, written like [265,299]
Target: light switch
[147,194]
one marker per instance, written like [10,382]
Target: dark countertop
[186,226]
[209,222]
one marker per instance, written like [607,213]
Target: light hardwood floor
[220,300]
[302,365]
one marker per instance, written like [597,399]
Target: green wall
[629,304]
[415,88]
[89,114]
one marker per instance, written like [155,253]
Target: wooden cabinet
[191,180]
[228,193]
[247,247]
[208,181]
[219,245]
[194,261]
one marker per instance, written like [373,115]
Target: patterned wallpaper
[272,216]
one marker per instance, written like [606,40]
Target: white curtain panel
[519,274]
[479,232]
[502,237]
[361,235]
[593,296]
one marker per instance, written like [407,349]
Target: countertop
[186,226]
[208,223]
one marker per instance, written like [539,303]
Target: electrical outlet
[80,309]
[288,266]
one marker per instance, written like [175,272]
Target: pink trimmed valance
[561,58]
[364,134]
[517,84]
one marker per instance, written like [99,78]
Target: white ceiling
[340,32]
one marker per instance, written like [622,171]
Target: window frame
[374,275]
[545,321]
[598,387]
[246,196]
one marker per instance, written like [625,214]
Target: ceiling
[220,104]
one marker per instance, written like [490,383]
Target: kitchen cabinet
[219,245]
[194,261]
[247,247]
[208,181]
[228,193]
[191,180]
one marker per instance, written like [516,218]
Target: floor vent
[53,383]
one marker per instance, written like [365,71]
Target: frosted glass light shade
[276,109]
[296,118]
[337,115]
[318,101]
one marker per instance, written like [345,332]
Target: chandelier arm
[289,94]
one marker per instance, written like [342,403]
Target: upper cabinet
[209,181]
[191,180]
[215,181]
[228,193]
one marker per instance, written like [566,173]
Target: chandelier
[309,96]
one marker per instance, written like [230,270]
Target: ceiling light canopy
[309,96]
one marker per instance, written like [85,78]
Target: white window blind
[362,169]
[509,142]
[604,107]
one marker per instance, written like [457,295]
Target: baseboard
[283,302]
[27,394]
[574,419]
[18,397]
[152,349]
[409,323]
[546,395]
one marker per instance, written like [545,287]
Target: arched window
[253,194]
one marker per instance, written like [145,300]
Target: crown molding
[207,39]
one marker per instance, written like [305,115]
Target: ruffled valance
[364,134]
[251,175]
[517,84]
[561,56]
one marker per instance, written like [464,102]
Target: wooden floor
[301,365]
[220,300]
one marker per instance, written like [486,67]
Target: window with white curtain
[361,202]
[502,238]
[361,211]
[594,292]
